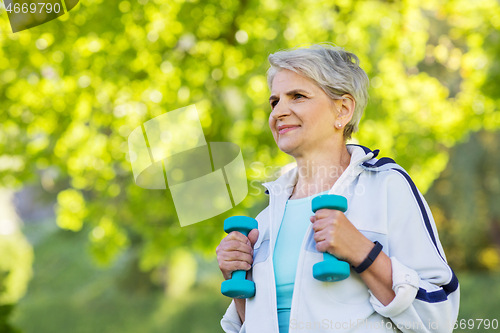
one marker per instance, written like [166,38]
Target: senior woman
[318,95]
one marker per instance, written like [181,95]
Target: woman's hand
[235,252]
[335,234]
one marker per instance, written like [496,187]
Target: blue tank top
[286,253]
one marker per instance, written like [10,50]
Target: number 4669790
[33,8]
[476,324]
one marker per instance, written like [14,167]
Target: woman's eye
[273,104]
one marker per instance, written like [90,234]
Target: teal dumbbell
[238,286]
[330,269]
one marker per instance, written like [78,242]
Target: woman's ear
[346,110]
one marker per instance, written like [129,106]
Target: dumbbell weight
[330,269]
[238,286]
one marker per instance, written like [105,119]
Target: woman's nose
[280,109]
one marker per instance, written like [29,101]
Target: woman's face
[295,100]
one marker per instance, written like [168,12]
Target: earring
[339,125]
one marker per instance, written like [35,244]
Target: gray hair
[332,69]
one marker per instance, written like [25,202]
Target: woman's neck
[318,174]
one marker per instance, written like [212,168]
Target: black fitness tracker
[370,259]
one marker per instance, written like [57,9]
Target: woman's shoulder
[385,178]
[386,171]
[372,163]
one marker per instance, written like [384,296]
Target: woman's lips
[288,129]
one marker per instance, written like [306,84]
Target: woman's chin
[288,143]
[287,148]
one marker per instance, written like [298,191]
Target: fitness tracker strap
[370,259]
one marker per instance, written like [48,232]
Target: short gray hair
[332,69]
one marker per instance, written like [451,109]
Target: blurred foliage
[5,311]
[15,267]
[73,89]
[464,201]
[70,291]
[16,258]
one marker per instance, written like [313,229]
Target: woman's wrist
[370,258]
[363,250]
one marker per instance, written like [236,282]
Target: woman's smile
[288,129]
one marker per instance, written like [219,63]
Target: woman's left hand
[335,234]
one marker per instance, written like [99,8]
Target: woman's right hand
[235,252]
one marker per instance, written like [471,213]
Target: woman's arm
[337,235]
[230,321]
[378,276]
[412,285]
[427,291]
[240,307]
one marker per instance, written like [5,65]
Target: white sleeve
[427,290]
[230,321]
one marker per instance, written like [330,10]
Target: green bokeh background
[113,257]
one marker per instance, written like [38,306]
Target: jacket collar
[360,155]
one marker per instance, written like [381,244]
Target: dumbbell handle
[330,258]
[322,203]
[238,286]
[326,202]
[240,275]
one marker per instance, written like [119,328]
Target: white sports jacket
[385,205]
